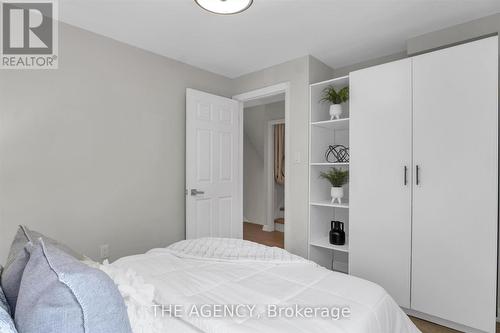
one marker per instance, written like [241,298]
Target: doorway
[264,140]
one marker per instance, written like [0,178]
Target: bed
[228,285]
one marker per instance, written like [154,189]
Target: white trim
[270,184]
[267,228]
[330,80]
[264,92]
[442,322]
[309,120]
[260,93]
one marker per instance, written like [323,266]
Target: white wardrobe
[424,182]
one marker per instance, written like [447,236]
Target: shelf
[329,164]
[323,133]
[338,81]
[337,124]
[325,243]
[327,203]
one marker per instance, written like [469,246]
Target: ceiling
[338,32]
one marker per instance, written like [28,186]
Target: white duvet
[215,272]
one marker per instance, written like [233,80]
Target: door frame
[269,166]
[268,91]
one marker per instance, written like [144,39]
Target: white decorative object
[335,111]
[337,193]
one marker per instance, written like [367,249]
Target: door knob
[196,192]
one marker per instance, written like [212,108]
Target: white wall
[297,73]
[94,152]
[456,34]
[279,200]
[256,120]
[254,204]
[254,177]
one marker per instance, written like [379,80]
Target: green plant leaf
[331,95]
[336,177]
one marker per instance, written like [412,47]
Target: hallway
[253,232]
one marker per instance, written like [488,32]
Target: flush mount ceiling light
[224,7]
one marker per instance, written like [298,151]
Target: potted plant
[336,98]
[336,177]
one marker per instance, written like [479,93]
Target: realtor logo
[29,34]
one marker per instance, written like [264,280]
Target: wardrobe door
[455,144]
[380,179]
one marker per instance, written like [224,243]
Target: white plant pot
[335,111]
[337,193]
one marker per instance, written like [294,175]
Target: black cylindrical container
[337,234]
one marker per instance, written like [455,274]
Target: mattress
[230,285]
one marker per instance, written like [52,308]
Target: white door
[213,192]
[455,201]
[380,180]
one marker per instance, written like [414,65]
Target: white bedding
[228,271]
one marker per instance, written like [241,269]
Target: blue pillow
[3,301]
[18,257]
[60,294]
[34,235]
[6,322]
[13,270]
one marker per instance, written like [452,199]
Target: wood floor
[427,327]
[253,232]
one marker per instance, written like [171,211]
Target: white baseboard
[279,227]
[442,322]
[268,228]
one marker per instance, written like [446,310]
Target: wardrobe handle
[406,175]
[417,168]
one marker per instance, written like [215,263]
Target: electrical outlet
[104,251]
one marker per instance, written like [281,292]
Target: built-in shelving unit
[328,164]
[325,243]
[332,124]
[323,133]
[327,203]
